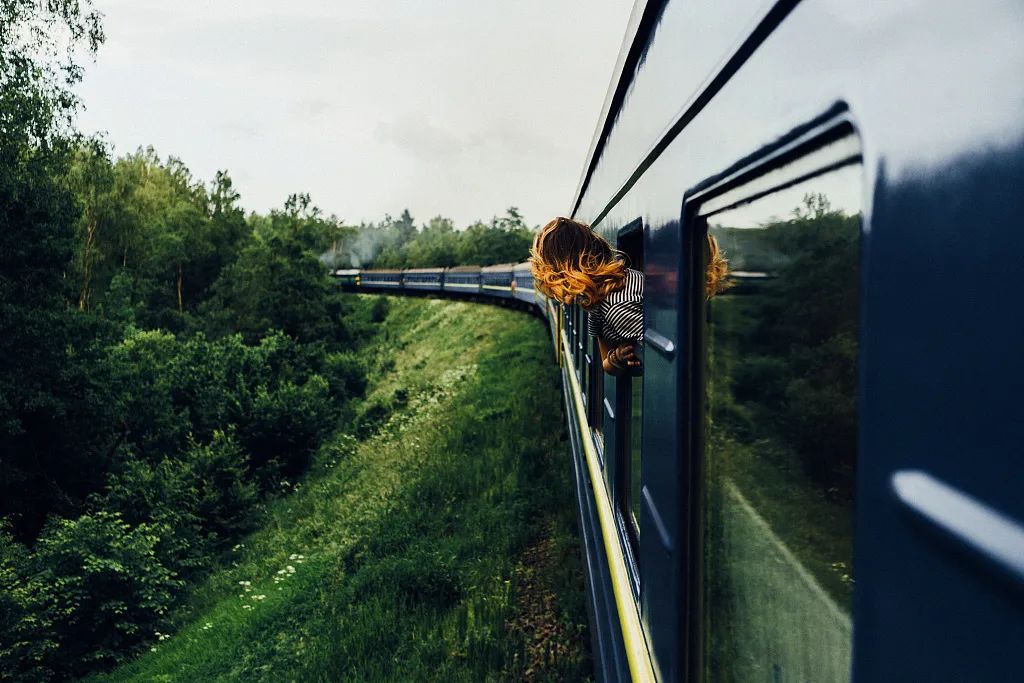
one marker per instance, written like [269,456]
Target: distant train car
[346,278]
[522,283]
[424,279]
[462,280]
[380,279]
[497,280]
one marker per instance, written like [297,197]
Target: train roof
[437,269]
[464,269]
[525,265]
[381,271]
[642,21]
[498,267]
[346,271]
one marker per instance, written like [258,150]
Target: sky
[458,108]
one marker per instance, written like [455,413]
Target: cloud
[420,138]
[458,108]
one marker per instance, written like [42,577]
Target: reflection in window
[636,426]
[780,436]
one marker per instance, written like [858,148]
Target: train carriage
[380,279]
[497,280]
[523,284]
[462,280]
[424,279]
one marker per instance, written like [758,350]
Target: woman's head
[573,264]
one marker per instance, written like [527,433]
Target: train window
[596,392]
[631,243]
[583,355]
[780,340]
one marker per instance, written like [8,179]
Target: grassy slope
[414,543]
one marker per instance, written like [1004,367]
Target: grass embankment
[441,546]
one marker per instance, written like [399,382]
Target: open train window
[778,329]
[630,392]
[582,357]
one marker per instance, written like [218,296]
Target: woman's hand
[622,359]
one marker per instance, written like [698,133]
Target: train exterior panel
[424,279]
[497,280]
[523,284]
[462,280]
[380,280]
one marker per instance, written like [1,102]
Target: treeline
[398,243]
[167,364]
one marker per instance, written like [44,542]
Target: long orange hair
[716,276]
[573,264]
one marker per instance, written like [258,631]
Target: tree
[53,442]
[503,240]
[91,178]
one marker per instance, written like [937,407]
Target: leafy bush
[284,427]
[27,640]
[225,496]
[379,310]
[345,374]
[100,588]
[205,499]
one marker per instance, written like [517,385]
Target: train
[818,474]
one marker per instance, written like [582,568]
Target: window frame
[626,519]
[798,157]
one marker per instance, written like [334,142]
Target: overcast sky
[460,108]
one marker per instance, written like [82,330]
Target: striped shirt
[620,317]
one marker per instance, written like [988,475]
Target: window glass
[780,434]
[635,438]
[596,392]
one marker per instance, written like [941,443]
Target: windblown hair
[573,264]
[716,276]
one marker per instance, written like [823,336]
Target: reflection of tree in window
[795,359]
[780,443]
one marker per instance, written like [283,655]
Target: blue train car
[462,280]
[380,279]
[497,280]
[523,285]
[817,477]
[423,279]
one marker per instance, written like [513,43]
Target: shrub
[346,375]
[27,640]
[284,426]
[380,309]
[225,495]
[204,499]
[101,587]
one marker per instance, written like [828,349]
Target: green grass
[402,556]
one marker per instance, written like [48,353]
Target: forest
[169,363]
